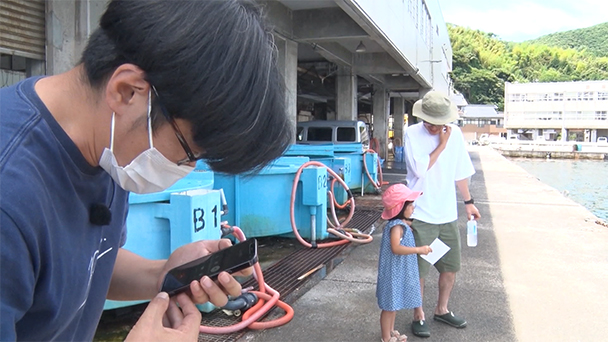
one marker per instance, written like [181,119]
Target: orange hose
[350,236]
[274,323]
[338,205]
[346,238]
[380,182]
[374,144]
[268,298]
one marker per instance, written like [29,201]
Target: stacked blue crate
[359,179]
[349,157]
[325,154]
[260,203]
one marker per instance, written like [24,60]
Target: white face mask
[148,172]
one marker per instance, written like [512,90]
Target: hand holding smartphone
[231,259]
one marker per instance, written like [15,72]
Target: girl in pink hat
[398,285]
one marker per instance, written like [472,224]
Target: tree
[482,63]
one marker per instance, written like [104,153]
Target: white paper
[439,249]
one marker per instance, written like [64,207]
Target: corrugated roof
[481,111]
[459,100]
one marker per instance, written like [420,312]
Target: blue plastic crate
[160,222]
[352,151]
[259,203]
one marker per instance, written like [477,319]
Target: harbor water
[584,181]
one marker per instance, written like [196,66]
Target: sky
[520,20]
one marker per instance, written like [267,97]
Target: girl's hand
[424,250]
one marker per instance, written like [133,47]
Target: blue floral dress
[398,284]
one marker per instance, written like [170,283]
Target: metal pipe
[313,229]
[224,202]
[362,182]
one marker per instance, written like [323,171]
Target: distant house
[478,119]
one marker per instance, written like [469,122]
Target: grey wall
[68,26]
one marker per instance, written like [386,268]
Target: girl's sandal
[392,339]
[398,337]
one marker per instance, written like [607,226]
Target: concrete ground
[539,272]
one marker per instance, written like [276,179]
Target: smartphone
[232,259]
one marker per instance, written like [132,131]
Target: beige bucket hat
[435,108]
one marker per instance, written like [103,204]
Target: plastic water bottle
[472,232]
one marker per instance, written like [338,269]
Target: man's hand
[444,135]
[472,211]
[205,290]
[163,320]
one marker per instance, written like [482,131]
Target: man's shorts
[426,233]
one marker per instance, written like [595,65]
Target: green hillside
[482,63]
[592,39]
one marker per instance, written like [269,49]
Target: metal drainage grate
[282,276]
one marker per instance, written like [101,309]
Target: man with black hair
[161,84]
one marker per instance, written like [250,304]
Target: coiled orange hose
[268,298]
[346,237]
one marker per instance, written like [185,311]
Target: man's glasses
[178,133]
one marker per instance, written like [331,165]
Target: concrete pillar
[411,119]
[380,109]
[288,67]
[398,111]
[593,135]
[346,94]
[34,67]
[68,26]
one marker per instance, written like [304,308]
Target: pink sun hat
[394,197]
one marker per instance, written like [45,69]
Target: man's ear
[127,91]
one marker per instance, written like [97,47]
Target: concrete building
[477,119]
[558,110]
[341,59]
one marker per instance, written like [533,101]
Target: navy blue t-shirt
[55,265]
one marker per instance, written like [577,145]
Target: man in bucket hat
[436,159]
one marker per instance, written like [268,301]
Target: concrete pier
[539,273]
[552,149]
[554,155]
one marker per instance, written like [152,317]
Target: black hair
[401,215]
[213,64]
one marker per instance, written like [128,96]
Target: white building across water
[557,110]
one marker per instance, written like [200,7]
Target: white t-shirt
[437,204]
